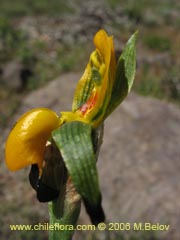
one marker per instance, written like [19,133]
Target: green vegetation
[163,86]
[157,42]
[10,38]
[33,7]
[149,84]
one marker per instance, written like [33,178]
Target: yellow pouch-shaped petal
[26,142]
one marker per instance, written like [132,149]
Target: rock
[15,75]
[139,160]
[139,163]
[11,74]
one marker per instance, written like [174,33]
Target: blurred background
[40,40]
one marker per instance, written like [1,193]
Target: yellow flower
[27,140]
[94,89]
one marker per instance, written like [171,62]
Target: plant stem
[64,213]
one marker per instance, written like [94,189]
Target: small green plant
[171,85]
[157,42]
[26,56]
[10,39]
[149,85]
[113,3]
[69,57]
[135,10]
[163,86]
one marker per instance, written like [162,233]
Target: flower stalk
[63,215]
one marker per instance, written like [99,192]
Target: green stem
[64,214]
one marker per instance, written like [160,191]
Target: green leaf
[74,140]
[125,74]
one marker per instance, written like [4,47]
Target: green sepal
[125,74]
[74,140]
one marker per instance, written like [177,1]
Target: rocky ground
[138,164]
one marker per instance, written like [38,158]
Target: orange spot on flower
[88,106]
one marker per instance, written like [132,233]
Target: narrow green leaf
[74,140]
[125,74]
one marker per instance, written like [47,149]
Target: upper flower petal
[26,142]
[94,89]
